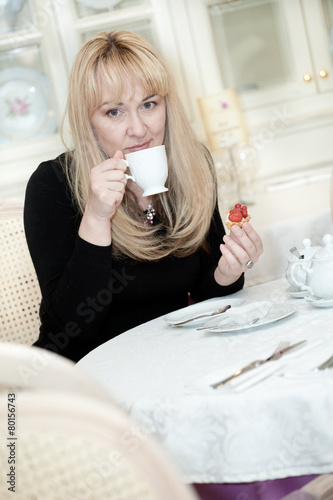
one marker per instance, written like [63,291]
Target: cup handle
[128,176]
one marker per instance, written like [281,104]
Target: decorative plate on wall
[25,105]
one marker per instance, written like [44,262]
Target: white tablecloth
[278,428]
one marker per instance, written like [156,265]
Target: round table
[279,428]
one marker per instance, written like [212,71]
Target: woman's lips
[138,147]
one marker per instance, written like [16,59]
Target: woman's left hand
[239,249]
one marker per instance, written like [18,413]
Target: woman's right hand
[106,191]
[107,187]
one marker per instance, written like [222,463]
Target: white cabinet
[277,54]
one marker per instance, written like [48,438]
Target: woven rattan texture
[64,437]
[60,467]
[19,289]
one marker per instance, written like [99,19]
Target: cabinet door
[260,46]
[32,82]
[154,20]
[28,103]
[319,23]
[79,19]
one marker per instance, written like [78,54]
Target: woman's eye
[114,112]
[149,105]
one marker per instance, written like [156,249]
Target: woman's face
[129,125]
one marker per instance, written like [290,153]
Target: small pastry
[237,216]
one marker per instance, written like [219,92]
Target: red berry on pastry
[244,211]
[235,215]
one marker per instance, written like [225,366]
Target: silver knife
[259,362]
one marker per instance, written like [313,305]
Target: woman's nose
[136,126]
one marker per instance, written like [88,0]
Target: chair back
[76,447]
[66,438]
[33,368]
[19,289]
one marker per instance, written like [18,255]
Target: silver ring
[250,264]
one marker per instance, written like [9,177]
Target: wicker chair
[32,368]
[19,289]
[74,443]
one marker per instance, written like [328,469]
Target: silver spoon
[295,252]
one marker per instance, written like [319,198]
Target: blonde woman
[108,258]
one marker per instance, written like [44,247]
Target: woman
[102,267]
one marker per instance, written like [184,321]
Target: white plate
[99,4]
[295,292]
[25,104]
[276,312]
[319,302]
[206,307]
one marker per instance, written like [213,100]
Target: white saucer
[276,312]
[295,292]
[319,302]
[205,307]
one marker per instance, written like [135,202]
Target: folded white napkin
[242,315]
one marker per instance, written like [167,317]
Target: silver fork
[217,327]
[276,354]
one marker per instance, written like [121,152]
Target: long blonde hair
[185,211]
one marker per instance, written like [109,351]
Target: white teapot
[317,277]
[295,272]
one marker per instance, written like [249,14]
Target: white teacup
[149,169]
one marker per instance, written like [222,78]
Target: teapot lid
[326,252]
[308,251]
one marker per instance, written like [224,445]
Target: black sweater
[88,297]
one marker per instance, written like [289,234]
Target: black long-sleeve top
[89,297]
